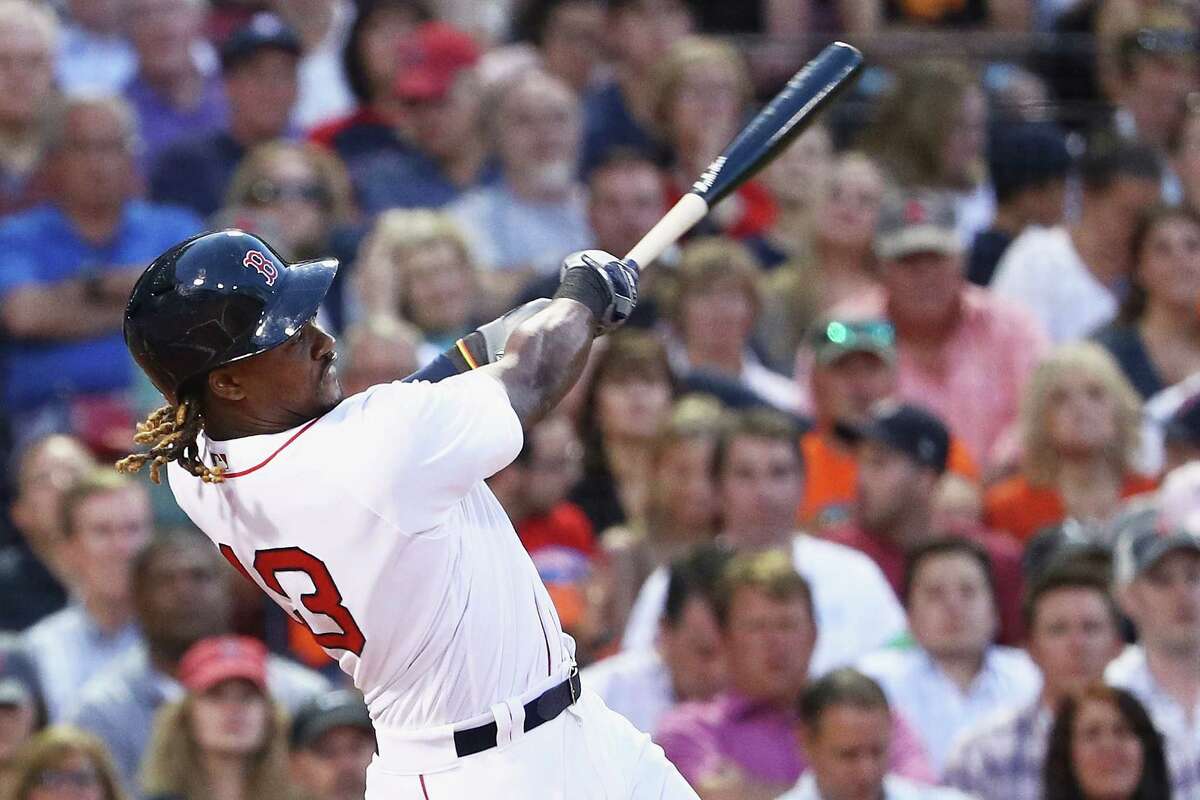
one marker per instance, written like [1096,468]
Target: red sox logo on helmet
[260,264]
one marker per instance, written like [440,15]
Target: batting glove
[602,282]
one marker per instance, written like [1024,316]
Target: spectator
[1156,67]
[716,308]
[22,711]
[836,264]
[954,340]
[740,742]
[953,676]
[323,26]
[799,182]
[1104,747]
[94,57]
[379,349]
[854,369]
[65,762]
[29,38]
[106,519]
[565,33]
[930,132]
[439,149]
[1156,571]
[1070,277]
[702,91]
[686,663]
[332,741]
[524,222]
[626,403]
[258,63]
[1156,337]
[66,269]
[619,112]
[416,265]
[1029,164]
[681,510]
[1079,426]
[901,461]
[845,730]
[1074,631]
[182,595]
[225,738]
[759,476]
[177,91]
[33,568]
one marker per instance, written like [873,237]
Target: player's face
[848,751]
[230,719]
[298,379]
[334,767]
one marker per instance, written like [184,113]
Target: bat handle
[690,209]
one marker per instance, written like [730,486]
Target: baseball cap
[344,708]
[222,658]
[430,58]
[1026,155]
[264,31]
[837,338]
[912,431]
[917,222]
[1143,542]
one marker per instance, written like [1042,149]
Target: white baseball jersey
[372,525]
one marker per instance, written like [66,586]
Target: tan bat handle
[690,209]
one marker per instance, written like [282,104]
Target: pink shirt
[976,383]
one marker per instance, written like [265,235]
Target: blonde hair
[681,59]
[172,764]
[382,281]
[1041,457]
[48,748]
[328,168]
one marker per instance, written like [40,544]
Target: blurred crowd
[889,488]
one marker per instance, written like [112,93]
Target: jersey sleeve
[425,446]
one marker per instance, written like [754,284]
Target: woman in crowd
[1080,423]
[681,509]
[415,264]
[1104,747]
[64,763]
[838,265]
[225,740]
[1156,338]
[798,180]
[625,404]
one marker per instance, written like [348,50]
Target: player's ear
[224,383]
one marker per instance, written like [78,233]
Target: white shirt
[385,495]
[894,788]
[635,684]
[857,611]
[1042,270]
[1156,413]
[933,704]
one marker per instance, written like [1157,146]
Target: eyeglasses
[876,333]
[264,192]
[67,779]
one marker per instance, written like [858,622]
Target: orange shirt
[1022,509]
[831,473]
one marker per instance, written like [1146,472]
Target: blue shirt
[402,177]
[195,173]
[161,123]
[42,246]
[608,125]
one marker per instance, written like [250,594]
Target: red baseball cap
[222,658]
[430,58]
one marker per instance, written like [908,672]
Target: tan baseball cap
[917,222]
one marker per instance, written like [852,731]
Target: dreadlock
[171,432]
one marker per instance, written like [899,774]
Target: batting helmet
[214,299]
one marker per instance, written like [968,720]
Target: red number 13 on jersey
[325,600]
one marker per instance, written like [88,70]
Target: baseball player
[368,520]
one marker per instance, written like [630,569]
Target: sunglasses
[264,192]
[67,779]
[876,333]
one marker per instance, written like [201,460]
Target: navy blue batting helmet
[214,299]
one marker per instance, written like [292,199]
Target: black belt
[543,708]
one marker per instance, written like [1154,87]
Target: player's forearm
[544,358]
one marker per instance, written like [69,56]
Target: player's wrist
[588,288]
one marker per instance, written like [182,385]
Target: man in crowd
[1157,574]
[846,730]
[960,351]
[32,567]
[106,520]
[29,38]
[952,676]
[258,64]
[740,743]
[332,743]
[66,269]
[903,456]
[1074,632]
[687,662]
[759,476]
[182,595]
